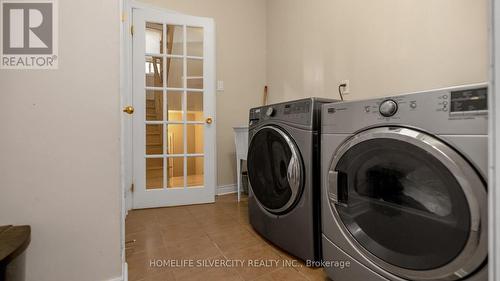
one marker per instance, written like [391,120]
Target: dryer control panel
[437,110]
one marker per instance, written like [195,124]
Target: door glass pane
[175,73]
[154,139]
[154,105]
[194,41]
[195,138]
[174,103]
[421,206]
[175,135]
[195,173]
[175,172]
[154,71]
[154,173]
[175,37]
[194,106]
[154,35]
[195,74]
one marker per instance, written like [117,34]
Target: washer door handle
[293,173]
[337,188]
[333,186]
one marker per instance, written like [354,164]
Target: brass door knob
[209,120]
[128,109]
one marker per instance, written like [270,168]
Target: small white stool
[241,142]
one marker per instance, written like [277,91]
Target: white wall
[60,150]
[240,27]
[383,47]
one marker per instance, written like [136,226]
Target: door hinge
[132,188]
[132,30]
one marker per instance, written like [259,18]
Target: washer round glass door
[274,169]
[410,203]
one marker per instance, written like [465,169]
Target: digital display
[469,100]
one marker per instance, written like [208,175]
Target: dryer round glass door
[410,203]
[275,169]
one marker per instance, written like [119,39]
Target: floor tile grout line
[225,257]
[304,275]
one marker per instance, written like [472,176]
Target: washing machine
[283,170]
[404,186]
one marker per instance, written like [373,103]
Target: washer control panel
[388,108]
[473,101]
[456,104]
[436,109]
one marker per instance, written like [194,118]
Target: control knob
[270,111]
[388,108]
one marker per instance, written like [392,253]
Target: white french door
[174,100]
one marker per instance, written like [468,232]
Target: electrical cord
[340,91]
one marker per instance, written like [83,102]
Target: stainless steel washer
[283,169]
[404,194]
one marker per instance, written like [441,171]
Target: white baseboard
[124,273]
[226,189]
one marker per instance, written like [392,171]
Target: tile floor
[205,234]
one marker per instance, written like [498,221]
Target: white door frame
[126,91]
[494,143]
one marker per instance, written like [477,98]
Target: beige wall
[60,150]
[241,63]
[383,47]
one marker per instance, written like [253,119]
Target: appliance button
[413,104]
[388,108]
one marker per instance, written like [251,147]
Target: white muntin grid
[165,122]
